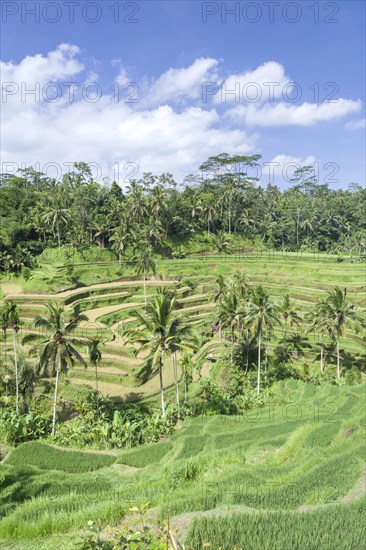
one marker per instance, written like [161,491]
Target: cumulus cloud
[57,64]
[184,83]
[113,134]
[285,114]
[169,128]
[266,83]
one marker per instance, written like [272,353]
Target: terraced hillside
[109,306]
[287,476]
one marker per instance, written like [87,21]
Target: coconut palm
[187,368]
[286,311]
[119,240]
[14,322]
[218,294]
[4,325]
[160,331]
[319,322]
[55,215]
[144,263]
[58,348]
[229,314]
[340,313]
[261,315]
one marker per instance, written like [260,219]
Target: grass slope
[287,476]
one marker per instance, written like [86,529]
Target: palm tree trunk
[5,349]
[259,362]
[321,357]
[232,347]
[145,290]
[229,216]
[58,235]
[96,375]
[185,387]
[247,354]
[284,337]
[266,351]
[16,373]
[176,377]
[338,359]
[119,259]
[162,388]
[58,370]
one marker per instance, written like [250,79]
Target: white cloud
[153,133]
[266,83]
[177,84]
[56,65]
[284,166]
[284,114]
[356,124]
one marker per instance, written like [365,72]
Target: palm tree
[4,325]
[287,312]
[145,263]
[261,315]
[319,322]
[160,331]
[14,322]
[158,200]
[55,215]
[229,314]
[95,355]
[58,348]
[218,294]
[340,313]
[118,240]
[230,191]
[187,368]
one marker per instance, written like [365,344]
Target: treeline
[223,198]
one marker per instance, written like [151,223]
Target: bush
[15,428]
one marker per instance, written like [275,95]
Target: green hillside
[293,467]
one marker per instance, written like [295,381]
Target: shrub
[15,428]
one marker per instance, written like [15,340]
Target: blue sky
[164,61]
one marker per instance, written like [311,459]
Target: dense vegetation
[223,200]
[192,356]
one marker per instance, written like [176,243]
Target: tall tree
[14,323]
[144,263]
[340,313]
[160,331]
[287,312]
[261,314]
[319,322]
[119,241]
[58,348]
[229,314]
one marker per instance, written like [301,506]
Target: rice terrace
[182,275]
[225,464]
